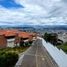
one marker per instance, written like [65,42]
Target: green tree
[51,37]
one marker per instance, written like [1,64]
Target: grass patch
[9,56]
[17,50]
[63,47]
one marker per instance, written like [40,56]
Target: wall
[58,55]
[3,41]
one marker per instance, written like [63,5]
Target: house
[9,36]
[24,37]
[12,38]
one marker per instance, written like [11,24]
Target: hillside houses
[63,37]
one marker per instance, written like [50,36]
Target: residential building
[12,38]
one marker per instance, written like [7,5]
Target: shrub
[30,43]
[8,59]
[22,44]
[63,47]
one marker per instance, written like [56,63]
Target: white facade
[10,43]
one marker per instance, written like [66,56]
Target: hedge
[8,59]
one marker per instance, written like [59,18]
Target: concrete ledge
[18,64]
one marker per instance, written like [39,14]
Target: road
[37,56]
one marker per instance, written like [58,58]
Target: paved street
[37,56]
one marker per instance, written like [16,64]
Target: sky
[33,12]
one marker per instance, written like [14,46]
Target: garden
[9,56]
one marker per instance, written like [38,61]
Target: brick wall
[3,41]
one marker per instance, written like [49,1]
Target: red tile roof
[8,32]
[14,32]
[24,34]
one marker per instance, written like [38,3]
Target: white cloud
[36,12]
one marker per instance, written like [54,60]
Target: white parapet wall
[59,56]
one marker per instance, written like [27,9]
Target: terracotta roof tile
[24,34]
[14,32]
[8,32]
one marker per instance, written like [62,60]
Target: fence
[58,55]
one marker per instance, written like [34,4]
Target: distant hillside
[52,27]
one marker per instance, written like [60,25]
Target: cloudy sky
[33,12]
